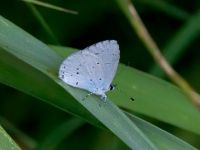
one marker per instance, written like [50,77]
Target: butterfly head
[112,87]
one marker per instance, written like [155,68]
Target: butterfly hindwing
[108,52]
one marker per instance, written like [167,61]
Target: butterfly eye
[112,87]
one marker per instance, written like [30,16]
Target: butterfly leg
[103,97]
[103,100]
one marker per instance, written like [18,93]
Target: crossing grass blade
[6,143]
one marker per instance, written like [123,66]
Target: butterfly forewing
[79,70]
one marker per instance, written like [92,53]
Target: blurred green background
[169,22]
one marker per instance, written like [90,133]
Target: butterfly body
[92,68]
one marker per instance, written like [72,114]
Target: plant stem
[40,3]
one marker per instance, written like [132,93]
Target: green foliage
[31,67]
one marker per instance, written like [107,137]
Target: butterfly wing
[108,53]
[81,69]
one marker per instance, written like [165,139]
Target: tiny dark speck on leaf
[132,99]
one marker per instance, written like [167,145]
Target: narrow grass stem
[43,24]
[40,3]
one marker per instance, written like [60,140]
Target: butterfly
[92,68]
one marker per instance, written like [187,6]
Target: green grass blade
[20,73]
[167,8]
[6,143]
[178,44]
[161,138]
[21,137]
[155,98]
[33,52]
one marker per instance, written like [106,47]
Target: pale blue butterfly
[92,68]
